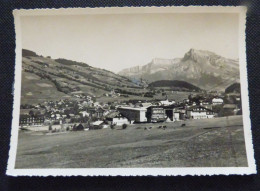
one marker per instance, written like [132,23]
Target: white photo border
[182,171]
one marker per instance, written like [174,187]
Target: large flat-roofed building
[134,114]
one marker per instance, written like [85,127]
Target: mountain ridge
[199,67]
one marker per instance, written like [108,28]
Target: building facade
[133,114]
[156,114]
[28,120]
[199,112]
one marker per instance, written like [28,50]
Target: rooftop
[198,106]
[98,122]
[134,108]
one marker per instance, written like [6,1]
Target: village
[84,113]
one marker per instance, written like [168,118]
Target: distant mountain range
[201,68]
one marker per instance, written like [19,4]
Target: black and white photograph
[131,91]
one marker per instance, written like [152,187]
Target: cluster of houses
[161,113]
[82,96]
[97,114]
[113,94]
[62,111]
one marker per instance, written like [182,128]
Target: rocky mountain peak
[198,55]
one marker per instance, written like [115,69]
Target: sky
[118,41]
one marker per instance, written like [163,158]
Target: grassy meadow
[201,143]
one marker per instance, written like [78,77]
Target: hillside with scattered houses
[43,76]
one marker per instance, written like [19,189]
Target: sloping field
[201,143]
[36,90]
[69,76]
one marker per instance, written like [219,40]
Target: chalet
[116,118]
[199,112]
[96,125]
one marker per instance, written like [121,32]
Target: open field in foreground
[201,143]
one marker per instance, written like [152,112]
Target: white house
[217,101]
[116,118]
